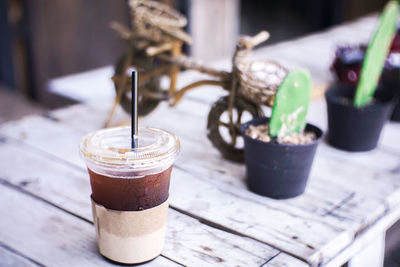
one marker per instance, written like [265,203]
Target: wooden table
[350,201]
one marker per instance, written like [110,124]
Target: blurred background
[43,39]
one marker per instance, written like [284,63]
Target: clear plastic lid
[109,151]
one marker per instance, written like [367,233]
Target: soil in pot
[260,132]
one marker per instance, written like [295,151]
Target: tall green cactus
[291,104]
[376,54]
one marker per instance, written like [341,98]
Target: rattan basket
[259,80]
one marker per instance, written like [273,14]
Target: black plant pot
[396,111]
[278,170]
[356,129]
[391,82]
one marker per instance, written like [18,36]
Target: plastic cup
[130,190]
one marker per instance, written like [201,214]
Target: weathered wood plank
[47,234]
[282,260]
[290,229]
[188,241]
[62,184]
[87,118]
[391,136]
[195,244]
[378,159]
[365,238]
[371,255]
[364,178]
[358,212]
[34,128]
[11,259]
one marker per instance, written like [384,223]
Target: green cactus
[291,104]
[376,54]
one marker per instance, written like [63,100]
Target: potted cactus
[348,62]
[279,150]
[356,117]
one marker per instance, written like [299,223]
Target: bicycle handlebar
[259,38]
[252,41]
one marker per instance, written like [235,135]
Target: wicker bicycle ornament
[156,40]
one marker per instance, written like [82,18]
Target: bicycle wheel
[146,103]
[225,135]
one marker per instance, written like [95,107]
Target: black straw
[134,126]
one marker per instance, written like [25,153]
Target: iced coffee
[130,190]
